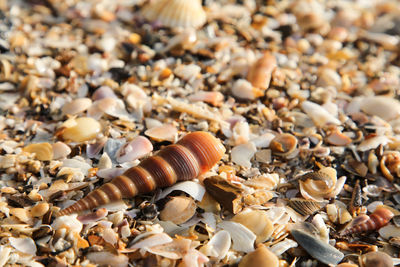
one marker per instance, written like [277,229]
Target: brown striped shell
[379,218]
[193,155]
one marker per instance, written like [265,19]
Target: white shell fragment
[318,114]
[195,190]
[76,106]
[4,255]
[242,154]
[152,241]
[243,239]
[218,245]
[70,222]
[166,132]
[25,245]
[139,147]
[385,107]
[281,247]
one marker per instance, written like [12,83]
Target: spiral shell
[379,218]
[193,155]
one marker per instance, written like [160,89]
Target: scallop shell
[305,206]
[176,13]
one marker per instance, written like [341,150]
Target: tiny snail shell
[193,155]
[379,218]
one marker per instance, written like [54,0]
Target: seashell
[76,106]
[243,153]
[318,114]
[92,150]
[373,162]
[60,150]
[243,89]
[387,108]
[40,209]
[389,231]
[260,72]
[104,162]
[268,181]
[379,218]
[261,257]
[257,221]
[347,264]
[243,239]
[69,222]
[24,245]
[178,210]
[42,151]
[322,228]
[376,259]
[81,129]
[259,197]
[373,142]
[329,77]
[214,98]
[193,155]
[283,246]
[188,72]
[390,164]
[337,138]
[4,255]
[184,40]
[165,132]
[195,190]
[151,240]
[319,250]
[103,92]
[176,13]
[320,184]
[110,236]
[108,258]
[283,144]
[139,147]
[305,206]
[22,215]
[218,246]
[93,217]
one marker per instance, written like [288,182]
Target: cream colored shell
[176,13]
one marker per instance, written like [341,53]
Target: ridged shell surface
[193,155]
[176,13]
[379,218]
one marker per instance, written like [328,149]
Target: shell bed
[200,133]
